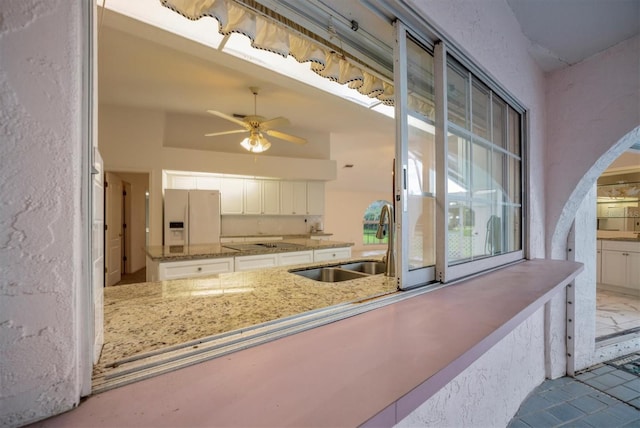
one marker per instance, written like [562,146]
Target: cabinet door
[327,254]
[315,197]
[259,261]
[208,183]
[299,198]
[270,197]
[614,268]
[286,197]
[295,258]
[598,266]
[252,196]
[194,268]
[231,195]
[633,271]
[185,182]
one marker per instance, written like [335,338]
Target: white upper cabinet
[293,197]
[315,198]
[270,197]
[208,183]
[247,196]
[252,196]
[183,182]
[232,196]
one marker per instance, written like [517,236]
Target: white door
[113,232]
[97,257]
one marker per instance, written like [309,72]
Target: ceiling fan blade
[229,118]
[286,137]
[274,123]
[235,131]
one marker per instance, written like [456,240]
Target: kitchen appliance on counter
[191,217]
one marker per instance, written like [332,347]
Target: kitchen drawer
[621,245]
[228,240]
[295,258]
[328,254]
[195,268]
[259,261]
[262,238]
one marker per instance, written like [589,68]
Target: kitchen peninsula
[176,262]
[149,318]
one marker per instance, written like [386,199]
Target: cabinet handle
[199,269]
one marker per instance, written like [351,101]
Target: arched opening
[574,238]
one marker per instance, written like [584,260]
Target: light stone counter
[153,315]
[211,251]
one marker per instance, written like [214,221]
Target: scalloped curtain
[269,35]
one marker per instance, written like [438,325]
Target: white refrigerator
[191,217]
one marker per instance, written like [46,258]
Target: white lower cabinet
[194,268]
[328,254]
[295,258]
[259,261]
[621,265]
[598,261]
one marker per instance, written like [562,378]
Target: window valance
[268,34]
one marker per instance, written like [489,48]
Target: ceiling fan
[257,126]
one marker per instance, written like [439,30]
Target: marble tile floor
[616,312]
[603,396]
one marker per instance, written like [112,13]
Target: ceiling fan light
[255,143]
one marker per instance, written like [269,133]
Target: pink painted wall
[41,229]
[590,107]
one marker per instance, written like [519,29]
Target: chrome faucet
[390,256]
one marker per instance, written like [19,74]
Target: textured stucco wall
[490,391]
[593,113]
[40,261]
[591,106]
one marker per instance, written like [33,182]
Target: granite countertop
[161,253]
[625,239]
[285,236]
[153,315]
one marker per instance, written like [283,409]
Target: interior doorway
[126,226]
[618,251]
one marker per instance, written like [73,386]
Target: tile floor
[616,312]
[603,396]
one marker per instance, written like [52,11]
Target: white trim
[400,198]
[442,202]
[475,267]
[84,310]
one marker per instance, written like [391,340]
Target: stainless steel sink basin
[329,274]
[370,268]
[342,272]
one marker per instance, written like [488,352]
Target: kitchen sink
[329,274]
[370,268]
[342,272]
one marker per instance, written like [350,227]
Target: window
[370,224]
[483,164]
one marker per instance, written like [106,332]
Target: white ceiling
[142,66]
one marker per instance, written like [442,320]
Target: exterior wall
[594,114]
[41,229]
[493,387]
[591,106]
